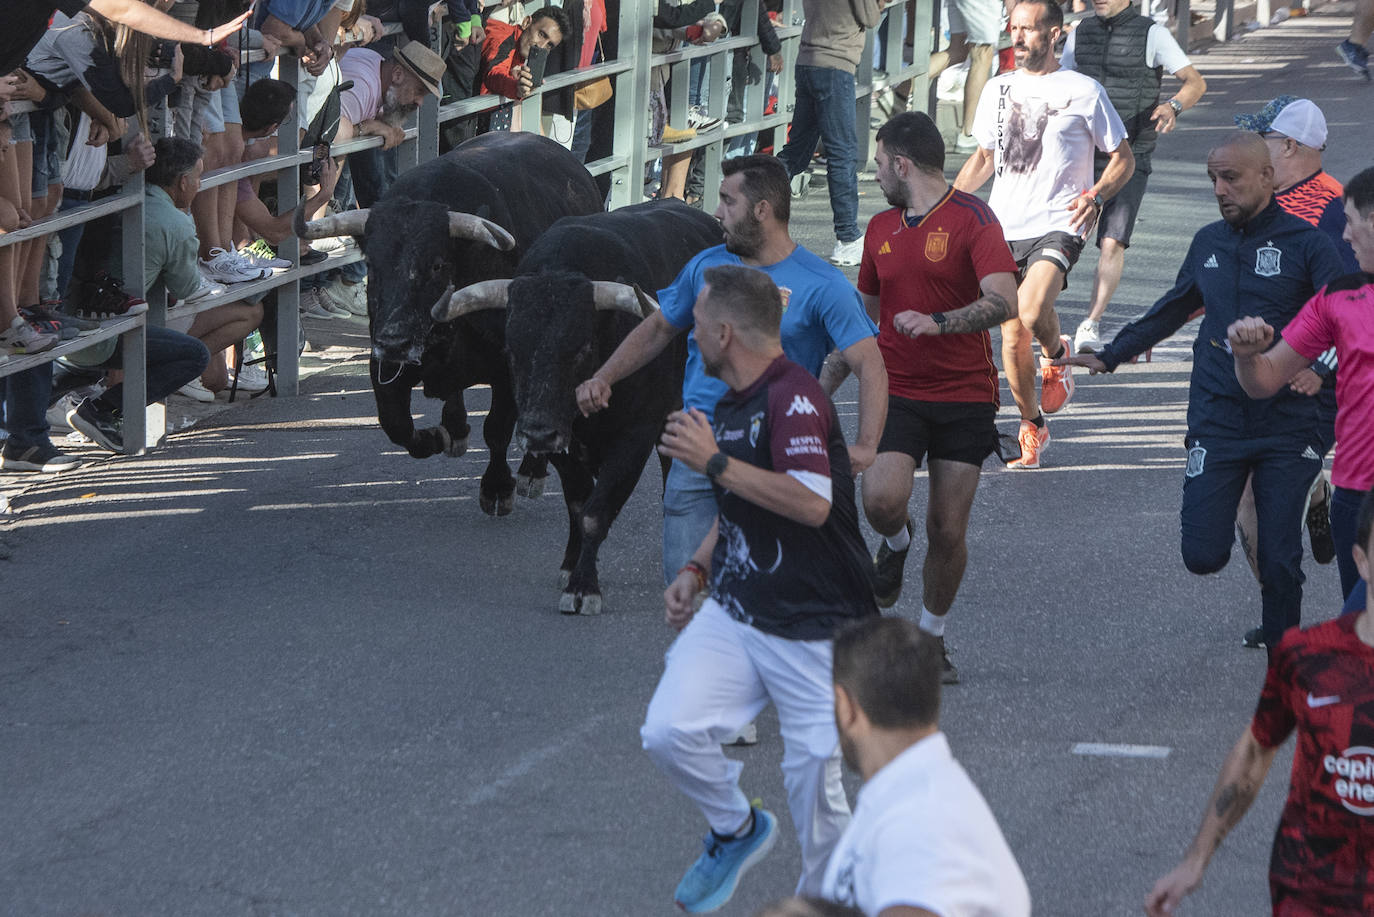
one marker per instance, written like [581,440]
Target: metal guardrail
[630,73]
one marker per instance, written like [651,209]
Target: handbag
[594,93]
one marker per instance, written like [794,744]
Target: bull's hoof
[563,577]
[496,506]
[531,487]
[455,447]
[570,603]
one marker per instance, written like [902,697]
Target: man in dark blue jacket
[1258,260]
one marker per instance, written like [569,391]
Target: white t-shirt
[1042,130]
[364,100]
[922,836]
[1161,50]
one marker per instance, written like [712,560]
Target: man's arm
[688,438]
[1262,370]
[866,360]
[976,171]
[639,347]
[995,306]
[149,20]
[1188,95]
[867,12]
[1120,166]
[282,34]
[1241,777]
[679,599]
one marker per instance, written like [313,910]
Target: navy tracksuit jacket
[1269,267]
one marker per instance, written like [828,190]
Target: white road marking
[527,762]
[1106,750]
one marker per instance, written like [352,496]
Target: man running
[1320,685]
[936,275]
[785,566]
[1037,129]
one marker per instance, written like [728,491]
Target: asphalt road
[280,668]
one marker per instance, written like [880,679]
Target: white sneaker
[315,304]
[1086,339]
[329,244]
[196,391]
[204,291]
[749,735]
[965,143]
[800,183]
[848,254]
[251,379]
[699,119]
[350,297]
[228,267]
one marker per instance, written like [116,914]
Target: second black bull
[571,302]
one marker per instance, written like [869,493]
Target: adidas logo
[1211,262]
[885,250]
[802,405]
[1308,453]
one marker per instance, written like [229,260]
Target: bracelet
[696,570]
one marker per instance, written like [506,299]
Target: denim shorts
[20,129]
[47,163]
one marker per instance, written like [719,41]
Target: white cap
[1303,121]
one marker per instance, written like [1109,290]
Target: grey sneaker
[949,675]
[22,338]
[104,428]
[45,457]
[316,304]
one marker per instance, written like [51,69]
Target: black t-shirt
[783,577]
[26,21]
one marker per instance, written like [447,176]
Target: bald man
[1256,260]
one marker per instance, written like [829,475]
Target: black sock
[1039,421]
[747,830]
[1062,348]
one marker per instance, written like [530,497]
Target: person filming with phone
[513,56]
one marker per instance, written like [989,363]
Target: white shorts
[979,20]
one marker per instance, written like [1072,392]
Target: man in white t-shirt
[1037,129]
[922,841]
[1127,53]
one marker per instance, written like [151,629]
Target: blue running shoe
[714,876]
[1356,57]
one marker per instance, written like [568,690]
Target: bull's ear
[488,294]
[479,229]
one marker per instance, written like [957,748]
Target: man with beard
[935,265]
[1257,260]
[821,313]
[786,566]
[1037,129]
[922,840]
[385,92]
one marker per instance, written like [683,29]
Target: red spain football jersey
[935,264]
[1321,683]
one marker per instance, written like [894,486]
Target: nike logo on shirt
[1322,701]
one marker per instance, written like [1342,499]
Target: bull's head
[550,341]
[417,253]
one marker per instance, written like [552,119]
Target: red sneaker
[1033,440]
[1056,382]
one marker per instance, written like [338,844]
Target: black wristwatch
[715,465]
[1177,106]
[939,319]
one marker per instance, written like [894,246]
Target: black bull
[467,216]
[567,309]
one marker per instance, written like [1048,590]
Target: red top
[1321,683]
[497,61]
[935,264]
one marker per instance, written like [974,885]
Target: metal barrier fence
[630,73]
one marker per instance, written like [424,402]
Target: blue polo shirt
[821,312]
[298,14]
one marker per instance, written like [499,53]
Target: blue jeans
[173,360]
[825,112]
[1345,515]
[689,508]
[1211,494]
[24,398]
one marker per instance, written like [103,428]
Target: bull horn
[623,296]
[467,226]
[488,294]
[348,223]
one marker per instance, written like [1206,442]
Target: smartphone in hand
[536,62]
[317,162]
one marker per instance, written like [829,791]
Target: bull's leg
[618,476]
[391,385]
[577,483]
[454,421]
[497,495]
[533,473]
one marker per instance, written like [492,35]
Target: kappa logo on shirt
[1211,261]
[802,405]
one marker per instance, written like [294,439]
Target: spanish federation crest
[937,246]
[1267,260]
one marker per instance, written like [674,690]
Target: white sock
[932,624]
[900,541]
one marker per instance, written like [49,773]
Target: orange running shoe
[1056,382]
[1033,440]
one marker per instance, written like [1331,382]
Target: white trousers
[719,676]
